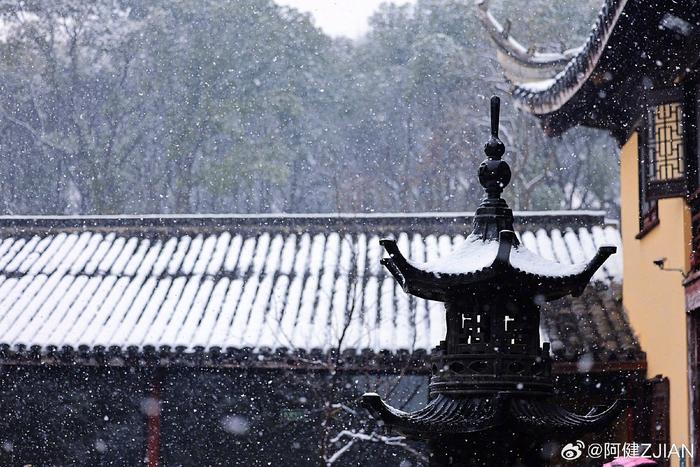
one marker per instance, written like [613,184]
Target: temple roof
[633,45]
[274,282]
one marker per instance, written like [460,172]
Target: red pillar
[153,409]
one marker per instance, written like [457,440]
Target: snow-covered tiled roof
[219,282]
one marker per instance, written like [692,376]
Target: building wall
[655,299]
[101,415]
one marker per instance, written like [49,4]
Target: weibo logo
[572,451]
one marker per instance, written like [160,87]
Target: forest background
[210,106]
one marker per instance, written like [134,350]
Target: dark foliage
[245,106]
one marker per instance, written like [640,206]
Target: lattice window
[665,142]
[662,138]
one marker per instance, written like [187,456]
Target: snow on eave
[516,50]
[112,289]
[589,55]
[536,86]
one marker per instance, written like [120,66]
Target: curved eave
[533,416]
[568,82]
[544,415]
[441,415]
[554,287]
[520,62]
[429,285]
[596,88]
[440,286]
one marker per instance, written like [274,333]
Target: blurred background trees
[184,106]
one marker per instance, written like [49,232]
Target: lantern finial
[495,148]
[494,174]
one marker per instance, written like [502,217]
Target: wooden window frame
[691,135]
[693,321]
[648,208]
[692,142]
[667,188]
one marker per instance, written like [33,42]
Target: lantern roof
[445,415]
[491,255]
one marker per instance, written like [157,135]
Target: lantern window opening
[474,330]
[515,330]
[506,320]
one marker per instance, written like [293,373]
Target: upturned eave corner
[396,263]
[438,285]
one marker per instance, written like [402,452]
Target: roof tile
[285,282]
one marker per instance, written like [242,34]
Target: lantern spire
[494,173]
[495,148]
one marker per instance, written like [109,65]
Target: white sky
[340,17]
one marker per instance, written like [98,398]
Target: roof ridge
[295,222]
[350,215]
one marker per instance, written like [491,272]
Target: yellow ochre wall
[655,299]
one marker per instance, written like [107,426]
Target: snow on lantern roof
[476,261]
[492,255]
